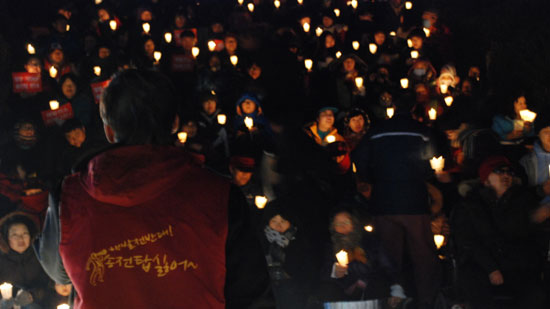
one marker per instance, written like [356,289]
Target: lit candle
[408,5]
[342,257]
[527,115]
[439,240]
[331,139]
[355,45]
[222,119]
[338,54]
[369,228]
[98,2]
[353,168]
[195,51]
[146,27]
[427,32]
[277,4]
[97,70]
[54,105]
[449,100]
[443,88]
[300,2]
[182,137]
[373,48]
[390,111]
[404,83]
[354,4]
[7,290]
[30,49]
[240,2]
[308,63]
[409,43]
[337,12]
[359,82]
[414,54]
[437,164]
[306,27]
[68,28]
[249,122]
[260,201]
[251,7]
[63,306]
[211,46]
[234,60]
[318,31]
[53,72]
[168,37]
[432,113]
[112,24]
[157,55]
[393,33]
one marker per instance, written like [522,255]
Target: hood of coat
[17,217]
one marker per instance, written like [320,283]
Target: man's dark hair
[140,106]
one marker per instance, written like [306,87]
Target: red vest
[145,228]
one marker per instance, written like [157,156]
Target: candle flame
[331,139]
[527,115]
[260,201]
[157,55]
[306,27]
[393,33]
[427,32]
[437,164]
[404,83]
[432,113]
[369,228]
[355,45]
[308,63]
[251,7]
[337,12]
[338,54]
[182,137]
[277,4]
[439,240]
[53,72]
[409,43]
[318,31]
[373,48]
[359,82]
[449,100]
[234,60]
[54,105]
[113,25]
[354,4]
[390,111]
[97,70]
[408,5]
[414,54]
[443,88]
[211,46]
[168,37]
[195,51]
[146,27]
[63,306]
[342,257]
[222,119]
[249,122]
[30,49]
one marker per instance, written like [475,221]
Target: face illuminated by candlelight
[325,120]
[209,107]
[279,224]
[342,223]
[240,178]
[357,123]
[248,106]
[349,65]
[19,237]
[68,88]
[76,137]
[255,71]
[520,104]
[33,65]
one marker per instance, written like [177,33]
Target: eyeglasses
[504,170]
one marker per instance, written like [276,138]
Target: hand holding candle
[195,51]
[63,306]
[308,63]
[390,111]
[182,137]
[157,55]
[30,49]
[449,100]
[337,12]
[414,54]
[342,257]
[359,82]
[251,7]
[211,46]
[331,139]
[249,123]
[527,115]
[437,164]
[112,25]
[7,290]
[54,104]
[439,240]
[146,27]
[306,27]
[53,72]
[260,201]
[97,70]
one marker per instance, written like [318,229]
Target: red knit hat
[490,164]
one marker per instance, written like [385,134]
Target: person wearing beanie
[495,238]
[356,124]
[537,162]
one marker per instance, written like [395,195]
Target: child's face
[76,137]
[209,107]
[248,106]
[279,224]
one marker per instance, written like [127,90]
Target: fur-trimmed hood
[17,217]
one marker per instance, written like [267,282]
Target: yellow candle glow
[331,139]
[98,2]
[443,88]
[408,5]
[359,82]
[7,290]
[97,70]
[53,72]
[369,228]
[404,83]
[318,31]
[146,27]
[342,257]
[68,28]
[157,55]
[168,37]
[393,33]
[427,32]
[355,45]
[222,119]
[249,122]
[195,51]
[449,100]
[353,168]
[300,2]
[54,105]
[251,7]
[373,48]
[30,49]
[439,240]
[338,54]
[306,27]
[308,63]
[337,12]
[437,164]
[182,137]
[409,43]
[211,46]
[354,4]
[112,25]
[390,111]
[527,115]
[63,306]
[432,113]
[277,4]
[234,60]
[240,2]
[260,201]
[414,54]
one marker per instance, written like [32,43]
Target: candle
[408,5]
[113,25]
[195,51]
[54,105]
[449,100]
[251,7]
[68,28]
[300,2]
[331,139]
[260,201]
[7,290]
[234,60]
[354,4]
[97,70]
[318,31]
[308,63]
[338,54]
[437,164]
[240,2]
[355,45]
[373,48]
[369,228]
[146,27]
[390,111]
[427,32]
[30,49]
[63,306]
[168,37]
[443,88]
[404,83]
[182,137]
[359,82]
[249,122]
[432,113]
[527,115]
[337,12]
[222,119]
[342,257]
[211,46]
[277,4]
[306,27]
[53,71]
[353,168]
[409,43]
[439,240]
[414,54]
[393,33]
[98,2]
[157,55]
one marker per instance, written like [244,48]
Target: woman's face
[68,88]
[149,47]
[179,21]
[103,52]
[103,15]
[19,237]
[329,41]
[417,42]
[248,106]
[230,44]
[342,223]
[255,71]
[357,123]
[520,104]
[349,65]
[279,224]
[379,38]
[33,66]
[327,22]
[57,56]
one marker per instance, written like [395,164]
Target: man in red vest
[140,225]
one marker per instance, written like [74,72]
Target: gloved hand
[23,298]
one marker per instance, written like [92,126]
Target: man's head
[325,118]
[496,173]
[241,169]
[75,132]
[139,107]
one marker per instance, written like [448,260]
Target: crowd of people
[353,136]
